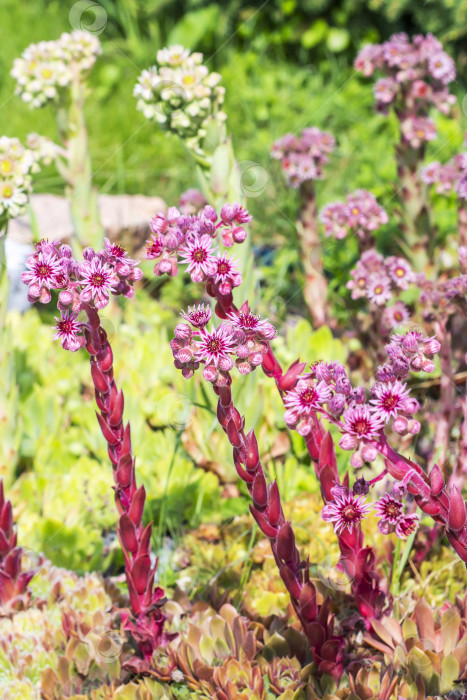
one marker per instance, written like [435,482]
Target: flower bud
[184,355]
[410,343]
[242,351]
[431,346]
[225,363]
[303,428]
[416,363]
[428,365]
[163,266]
[243,367]
[369,453]
[65,251]
[361,487]
[255,359]
[400,425]
[348,442]
[337,404]
[356,460]
[66,297]
[223,379]
[210,373]
[89,253]
[239,234]
[227,238]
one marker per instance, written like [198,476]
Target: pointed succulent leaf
[457,515]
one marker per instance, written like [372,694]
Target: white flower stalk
[182,96]
[46,70]
[56,72]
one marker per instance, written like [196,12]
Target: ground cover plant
[233,459]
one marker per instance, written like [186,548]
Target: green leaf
[315,34]
[338,40]
[449,673]
[194,26]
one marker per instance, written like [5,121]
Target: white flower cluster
[17,163]
[181,94]
[43,149]
[47,68]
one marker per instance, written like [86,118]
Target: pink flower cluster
[390,509]
[91,281]
[241,341]
[444,298]
[326,389]
[417,75]
[192,201]
[409,352]
[360,214]
[190,240]
[348,509]
[448,177]
[377,278]
[302,158]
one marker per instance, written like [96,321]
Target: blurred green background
[286,64]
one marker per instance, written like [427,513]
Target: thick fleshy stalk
[316,620]
[146,622]
[446,507]
[357,561]
[315,288]
[77,170]
[13,581]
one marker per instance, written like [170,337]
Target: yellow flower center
[7,192]
[5,166]
[46,73]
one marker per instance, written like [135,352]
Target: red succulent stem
[357,560]
[316,620]
[147,621]
[431,495]
[13,581]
